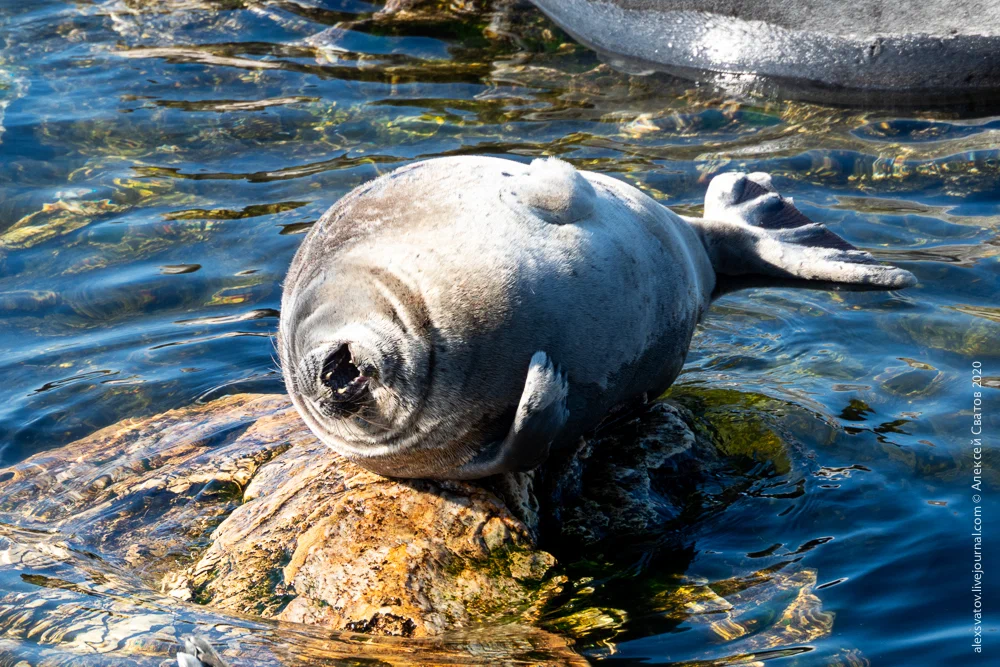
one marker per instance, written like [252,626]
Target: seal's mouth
[347,384]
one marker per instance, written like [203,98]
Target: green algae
[250,211]
[971,337]
[738,423]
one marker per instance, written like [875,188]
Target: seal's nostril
[339,370]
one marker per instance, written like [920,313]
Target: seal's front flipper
[541,414]
[749,229]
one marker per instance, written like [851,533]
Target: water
[159,162]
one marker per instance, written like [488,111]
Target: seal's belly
[640,282]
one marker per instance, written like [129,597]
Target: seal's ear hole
[339,369]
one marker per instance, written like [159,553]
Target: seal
[459,317]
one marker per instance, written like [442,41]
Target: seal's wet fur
[458,317]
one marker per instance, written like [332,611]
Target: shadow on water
[160,160]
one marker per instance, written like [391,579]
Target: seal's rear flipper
[749,229]
[541,414]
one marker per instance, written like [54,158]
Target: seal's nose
[339,371]
[344,385]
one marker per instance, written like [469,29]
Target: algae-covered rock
[54,220]
[739,610]
[964,335]
[735,422]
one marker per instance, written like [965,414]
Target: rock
[322,541]
[309,536]
[627,483]
[866,50]
[428,9]
[230,513]
[304,536]
[149,491]
[730,609]
[54,220]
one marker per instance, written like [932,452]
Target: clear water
[159,162]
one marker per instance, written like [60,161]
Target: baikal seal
[462,317]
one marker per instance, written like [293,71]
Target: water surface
[160,161]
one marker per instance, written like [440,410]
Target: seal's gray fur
[459,316]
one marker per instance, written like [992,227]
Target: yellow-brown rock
[307,536]
[231,520]
[321,540]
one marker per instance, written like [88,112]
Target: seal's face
[353,366]
[343,388]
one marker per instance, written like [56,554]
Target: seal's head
[413,315]
[351,366]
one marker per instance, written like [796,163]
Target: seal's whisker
[274,353]
[372,423]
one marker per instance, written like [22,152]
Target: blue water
[159,162]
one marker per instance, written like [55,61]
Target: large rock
[235,505]
[225,518]
[322,541]
[852,49]
[313,538]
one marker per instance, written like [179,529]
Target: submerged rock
[54,220]
[628,482]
